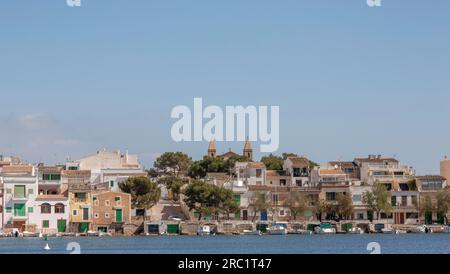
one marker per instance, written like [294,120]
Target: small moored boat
[104,234]
[27,234]
[93,233]
[325,228]
[252,232]
[400,231]
[422,229]
[278,230]
[301,232]
[387,231]
[356,230]
[204,230]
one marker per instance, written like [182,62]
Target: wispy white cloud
[34,137]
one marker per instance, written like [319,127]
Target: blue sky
[350,80]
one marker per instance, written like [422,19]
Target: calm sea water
[292,244]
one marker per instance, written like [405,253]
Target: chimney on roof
[445,157]
[379,156]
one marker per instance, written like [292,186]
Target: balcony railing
[405,207]
[19,218]
[388,167]
[331,184]
[19,197]
[391,177]
[50,182]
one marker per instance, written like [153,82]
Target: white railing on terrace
[390,177]
[389,168]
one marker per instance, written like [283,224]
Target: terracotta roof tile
[258,188]
[51,197]
[256,165]
[17,169]
[55,169]
[76,173]
[331,172]
[218,175]
[299,162]
[342,164]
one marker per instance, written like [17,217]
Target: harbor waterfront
[291,244]
[110,194]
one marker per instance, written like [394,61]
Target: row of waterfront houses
[84,195]
[325,182]
[77,197]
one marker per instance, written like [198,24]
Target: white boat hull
[358,231]
[104,234]
[204,231]
[93,234]
[301,232]
[254,233]
[31,235]
[278,232]
[422,230]
[325,231]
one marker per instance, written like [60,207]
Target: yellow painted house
[80,200]
[80,207]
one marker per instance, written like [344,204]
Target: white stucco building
[52,201]
[251,173]
[297,169]
[20,189]
[109,168]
